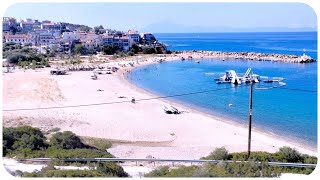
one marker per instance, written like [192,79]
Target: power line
[153,98]
[292,89]
[119,102]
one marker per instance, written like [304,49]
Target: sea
[288,112]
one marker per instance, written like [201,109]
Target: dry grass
[98,143]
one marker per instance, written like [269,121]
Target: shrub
[14,58]
[160,172]
[53,152]
[111,169]
[219,154]
[66,140]
[287,154]
[98,143]
[148,50]
[23,139]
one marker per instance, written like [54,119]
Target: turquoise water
[288,113]
[280,111]
[281,43]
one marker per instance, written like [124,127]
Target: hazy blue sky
[171,16]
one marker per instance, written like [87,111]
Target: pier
[254,56]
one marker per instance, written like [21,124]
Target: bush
[66,140]
[53,152]
[109,49]
[219,154]
[111,169]
[14,58]
[287,154]
[103,170]
[160,172]
[23,139]
[98,143]
[148,50]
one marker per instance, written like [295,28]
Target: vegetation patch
[242,169]
[28,142]
[98,143]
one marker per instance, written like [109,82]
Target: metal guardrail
[161,160]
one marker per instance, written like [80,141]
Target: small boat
[197,61]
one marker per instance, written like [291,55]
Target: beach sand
[136,130]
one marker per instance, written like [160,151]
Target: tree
[288,154]
[219,154]
[148,50]
[15,58]
[23,138]
[79,49]
[135,48]
[66,140]
[97,28]
[84,28]
[110,49]
[34,64]
[111,169]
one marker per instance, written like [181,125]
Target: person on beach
[133,100]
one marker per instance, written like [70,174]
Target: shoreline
[254,56]
[194,109]
[144,127]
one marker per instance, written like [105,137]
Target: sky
[174,17]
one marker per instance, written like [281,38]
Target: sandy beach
[136,130]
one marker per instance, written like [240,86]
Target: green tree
[79,49]
[22,139]
[34,64]
[110,49]
[148,50]
[66,140]
[288,154]
[135,48]
[97,28]
[112,169]
[219,154]
[15,58]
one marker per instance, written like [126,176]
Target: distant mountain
[171,27]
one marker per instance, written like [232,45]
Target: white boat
[197,61]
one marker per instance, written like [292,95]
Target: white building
[46,39]
[107,39]
[5,26]
[51,26]
[69,36]
[123,42]
[7,23]
[134,35]
[26,26]
[19,39]
[42,37]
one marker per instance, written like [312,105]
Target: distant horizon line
[236,32]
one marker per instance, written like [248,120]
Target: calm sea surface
[288,111]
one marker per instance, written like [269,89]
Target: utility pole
[250,117]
